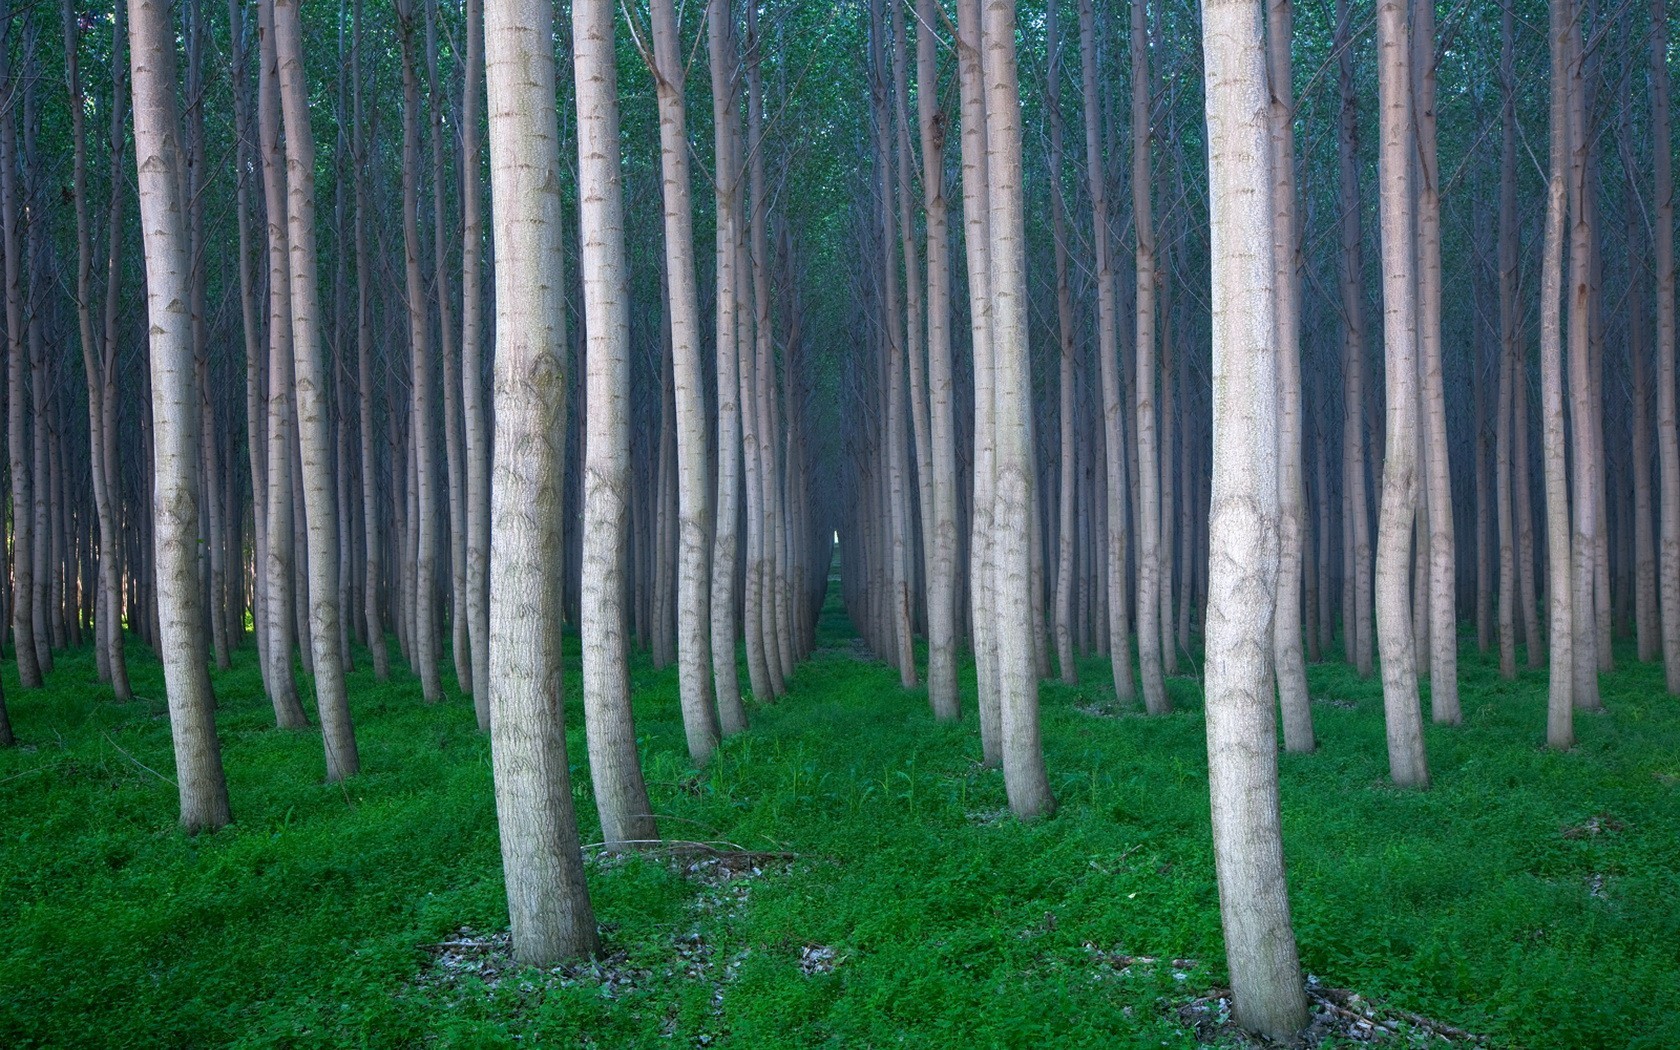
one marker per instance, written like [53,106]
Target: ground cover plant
[859,882]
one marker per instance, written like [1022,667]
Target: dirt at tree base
[1339,1018]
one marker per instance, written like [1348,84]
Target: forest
[773,523]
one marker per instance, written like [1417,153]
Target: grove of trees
[448,328]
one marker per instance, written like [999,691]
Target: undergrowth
[1528,896]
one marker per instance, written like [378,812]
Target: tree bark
[1268,995]
[1024,777]
[1408,766]
[1668,444]
[320,501]
[198,761]
[614,764]
[548,902]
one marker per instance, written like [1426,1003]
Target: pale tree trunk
[942,559]
[1586,445]
[1286,288]
[1668,445]
[1358,552]
[1638,341]
[460,647]
[915,306]
[314,428]
[1510,361]
[97,359]
[615,767]
[1408,765]
[424,565]
[977,220]
[694,674]
[893,323]
[548,902]
[1268,995]
[1560,708]
[210,547]
[373,532]
[288,709]
[1066,519]
[476,436]
[1169,481]
[198,760]
[1155,699]
[726,540]
[255,352]
[755,398]
[1024,777]
[1108,352]
[17,434]
[1443,597]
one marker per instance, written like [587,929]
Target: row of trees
[332,451]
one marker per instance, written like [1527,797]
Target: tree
[1268,995]
[1406,759]
[1668,444]
[1024,776]
[198,758]
[694,642]
[320,503]
[548,902]
[614,764]
[1149,623]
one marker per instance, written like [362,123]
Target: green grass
[299,924]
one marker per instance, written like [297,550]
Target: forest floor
[860,882]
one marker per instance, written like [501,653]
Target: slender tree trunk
[424,566]
[1358,550]
[732,714]
[1443,597]
[1067,521]
[700,716]
[1510,362]
[1155,698]
[1408,765]
[1108,353]
[1286,255]
[314,428]
[1268,995]
[1024,776]
[614,764]
[977,219]
[942,559]
[198,760]
[476,435]
[1668,444]
[1586,445]
[548,902]
[288,710]
[373,559]
[1560,713]
[17,434]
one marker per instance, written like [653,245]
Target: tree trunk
[983,600]
[1108,353]
[1408,765]
[1268,995]
[1286,257]
[614,764]
[726,543]
[1357,555]
[424,565]
[288,710]
[198,760]
[1024,777]
[942,559]
[314,428]
[548,902]
[1668,444]
[694,655]
[1155,699]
